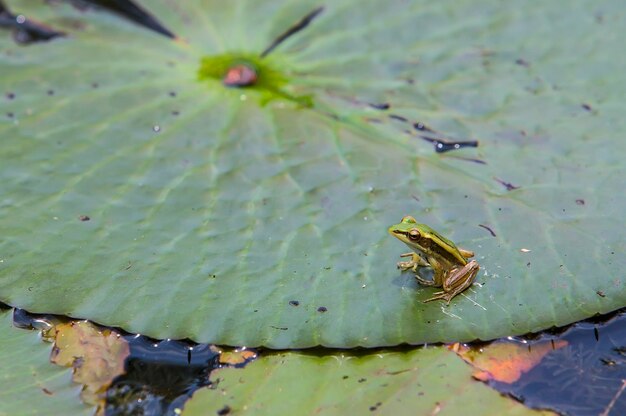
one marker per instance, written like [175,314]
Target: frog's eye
[409,220]
[414,234]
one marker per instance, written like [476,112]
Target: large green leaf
[420,382]
[29,383]
[212,208]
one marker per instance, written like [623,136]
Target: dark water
[160,376]
[586,377]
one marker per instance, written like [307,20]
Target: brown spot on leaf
[224,411]
[493,234]
[240,75]
[399,118]
[380,106]
[375,407]
[297,27]
[237,356]
[508,185]
[97,356]
[504,361]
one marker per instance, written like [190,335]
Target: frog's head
[420,237]
[406,230]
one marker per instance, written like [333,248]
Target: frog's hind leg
[415,262]
[456,282]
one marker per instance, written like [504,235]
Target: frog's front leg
[414,263]
[456,281]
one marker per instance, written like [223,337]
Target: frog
[451,269]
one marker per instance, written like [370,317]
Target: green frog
[451,270]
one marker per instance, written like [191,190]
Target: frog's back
[454,251]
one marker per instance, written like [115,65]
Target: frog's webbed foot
[413,264]
[425,282]
[443,295]
[447,296]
